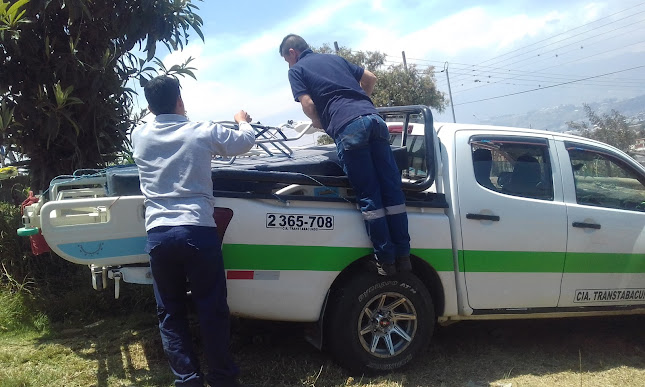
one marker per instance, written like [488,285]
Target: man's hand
[242,116]
[367,82]
[309,108]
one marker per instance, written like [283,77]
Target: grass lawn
[126,351]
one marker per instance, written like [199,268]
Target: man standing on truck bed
[335,95]
[173,156]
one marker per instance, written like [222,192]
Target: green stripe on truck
[604,263]
[512,262]
[316,258]
[323,258]
[550,262]
[440,259]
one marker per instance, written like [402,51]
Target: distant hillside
[555,118]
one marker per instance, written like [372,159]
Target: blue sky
[494,48]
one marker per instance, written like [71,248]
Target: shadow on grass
[127,351]
[122,351]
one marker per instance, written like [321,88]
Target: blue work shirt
[333,84]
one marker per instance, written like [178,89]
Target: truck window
[417,166]
[415,142]
[513,167]
[604,180]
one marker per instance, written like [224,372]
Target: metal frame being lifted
[266,136]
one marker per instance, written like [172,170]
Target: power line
[596,83]
[560,64]
[535,74]
[566,32]
[608,83]
[477,71]
[591,56]
[578,42]
[470,66]
[409,59]
[542,81]
[530,76]
[600,82]
[541,78]
[571,44]
[548,87]
[502,70]
[546,39]
[545,84]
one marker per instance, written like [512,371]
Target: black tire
[359,322]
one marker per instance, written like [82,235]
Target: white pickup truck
[505,223]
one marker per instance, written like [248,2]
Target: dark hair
[292,41]
[162,93]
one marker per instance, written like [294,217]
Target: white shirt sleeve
[229,142]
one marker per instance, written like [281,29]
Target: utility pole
[336,47]
[405,63]
[445,68]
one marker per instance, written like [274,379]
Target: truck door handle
[595,226]
[494,218]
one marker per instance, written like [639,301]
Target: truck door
[605,195]
[513,220]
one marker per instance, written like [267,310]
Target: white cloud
[219,102]
[592,11]
[237,71]
[314,19]
[179,57]
[323,15]
[472,29]
[261,45]
[377,5]
[234,74]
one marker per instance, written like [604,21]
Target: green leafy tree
[396,86]
[611,128]
[324,139]
[6,120]
[66,66]
[371,60]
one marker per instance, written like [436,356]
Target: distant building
[639,146]
[638,150]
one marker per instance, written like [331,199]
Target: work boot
[403,264]
[386,269]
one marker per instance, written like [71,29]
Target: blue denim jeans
[364,151]
[191,252]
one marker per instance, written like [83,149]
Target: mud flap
[314,331]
